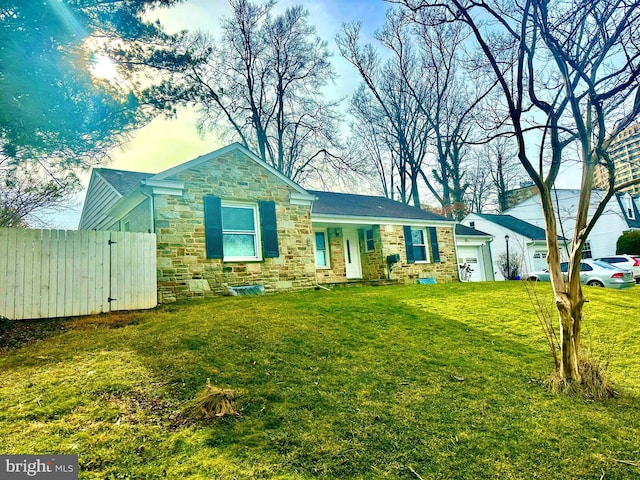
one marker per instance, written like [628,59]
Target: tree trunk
[568,295]
[570,315]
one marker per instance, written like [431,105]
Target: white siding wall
[605,233]
[100,196]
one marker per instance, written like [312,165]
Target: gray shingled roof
[351,205]
[122,180]
[516,225]
[327,203]
[465,231]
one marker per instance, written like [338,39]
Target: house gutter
[363,220]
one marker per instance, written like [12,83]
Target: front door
[352,254]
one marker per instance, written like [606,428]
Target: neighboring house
[525,240]
[621,214]
[474,254]
[227,219]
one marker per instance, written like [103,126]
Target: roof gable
[352,205]
[166,174]
[465,231]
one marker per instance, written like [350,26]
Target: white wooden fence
[62,273]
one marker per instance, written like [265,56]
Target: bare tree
[479,196]
[260,83]
[425,97]
[455,96]
[568,77]
[26,188]
[372,139]
[387,91]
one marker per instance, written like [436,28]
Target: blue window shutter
[433,238]
[269,227]
[408,242]
[213,226]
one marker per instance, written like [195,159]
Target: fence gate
[62,273]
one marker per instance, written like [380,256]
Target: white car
[626,262]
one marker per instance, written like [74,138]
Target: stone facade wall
[184,270]
[388,240]
[445,271]
[374,264]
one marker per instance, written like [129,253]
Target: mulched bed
[18,333]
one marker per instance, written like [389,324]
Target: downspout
[487,246]
[455,250]
[152,212]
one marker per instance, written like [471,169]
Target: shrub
[629,243]
[514,265]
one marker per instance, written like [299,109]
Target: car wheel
[533,279]
[595,283]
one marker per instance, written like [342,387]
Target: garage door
[471,259]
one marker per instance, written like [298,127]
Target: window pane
[419,254]
[237,218]
[321,258]
[370,243]
[320,244]
[417,237]
[238,245]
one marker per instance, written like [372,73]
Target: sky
[165,143]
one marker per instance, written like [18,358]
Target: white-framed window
[420,245]
[629,206]
[586,250]
[240,232]
[321,248]
[368,238]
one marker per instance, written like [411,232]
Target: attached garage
[473,254]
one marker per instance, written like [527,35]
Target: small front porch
[348,254]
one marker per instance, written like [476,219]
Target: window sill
[241,259]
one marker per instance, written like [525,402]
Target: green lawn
[435,381]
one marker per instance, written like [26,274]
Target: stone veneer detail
[389,240]
[444,271]
[184,270]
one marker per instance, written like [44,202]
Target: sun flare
[104,68]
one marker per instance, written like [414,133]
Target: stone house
[227,219]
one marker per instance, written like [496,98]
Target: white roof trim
[222,151]
[318,218]
[301,198]
[484,237]
[164,187]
